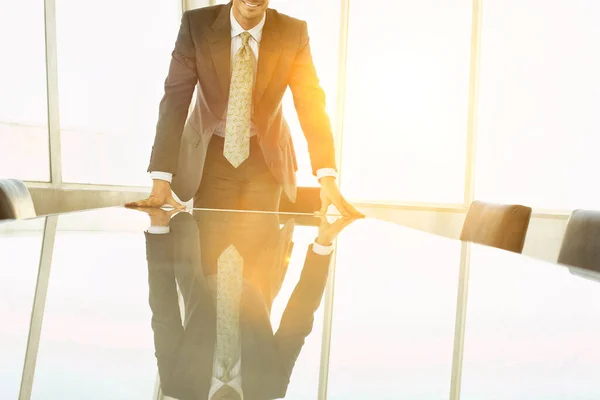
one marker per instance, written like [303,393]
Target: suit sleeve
[298,317]
[164,303]
[174,107]
[309,100]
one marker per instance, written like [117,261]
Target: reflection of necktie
[229,293]
[239,109]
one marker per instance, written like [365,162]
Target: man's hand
[328,232]
[158,216]
[330,194]
[160,196]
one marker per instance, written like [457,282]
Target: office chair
[581,243]
[15,200]
[497,225]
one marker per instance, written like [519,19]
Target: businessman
[229,269]
[235,151]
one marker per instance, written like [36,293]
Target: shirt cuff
[322,250]
[163,176]
[323,172]
[159,230]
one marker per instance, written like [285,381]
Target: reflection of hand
[158,216]
[161,195]
[328,232]
[330,194]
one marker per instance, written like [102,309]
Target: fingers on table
[324,206]
[146,203]
[171,202]
[136,204]
[352,210]
[345,208]
[342,206]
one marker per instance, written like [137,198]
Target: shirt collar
[255,32]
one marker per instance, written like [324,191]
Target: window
[24,147]
[414,332]
[526,335]
[539,99]
[305,375]
[20,246]
[191,4]
[113,58]
[96,341]
[407,101]
[323,25]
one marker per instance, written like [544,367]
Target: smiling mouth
[250,5]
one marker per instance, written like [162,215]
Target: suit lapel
[268,56]
[219,40]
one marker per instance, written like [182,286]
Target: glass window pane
[192,4]
[539,102]
[392,332]
[24,148]
[304,381]
[531,330]
[323,27]
[20,246]
[96,341]
[406,101]
[113,58]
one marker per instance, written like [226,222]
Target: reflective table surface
[126,304]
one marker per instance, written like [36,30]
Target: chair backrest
[15,200]
[497,225]
[581,243]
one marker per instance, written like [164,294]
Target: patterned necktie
[229,294]
[239,109]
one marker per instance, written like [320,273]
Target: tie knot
[245,38]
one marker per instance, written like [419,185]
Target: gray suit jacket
[202,58]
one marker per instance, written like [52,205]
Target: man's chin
[252,8]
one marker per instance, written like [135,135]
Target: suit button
[271,164]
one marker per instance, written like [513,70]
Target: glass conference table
[94,305]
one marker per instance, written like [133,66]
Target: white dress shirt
[254,42]
[236,44]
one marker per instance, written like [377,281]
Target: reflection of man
[229,268]
[236,152]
